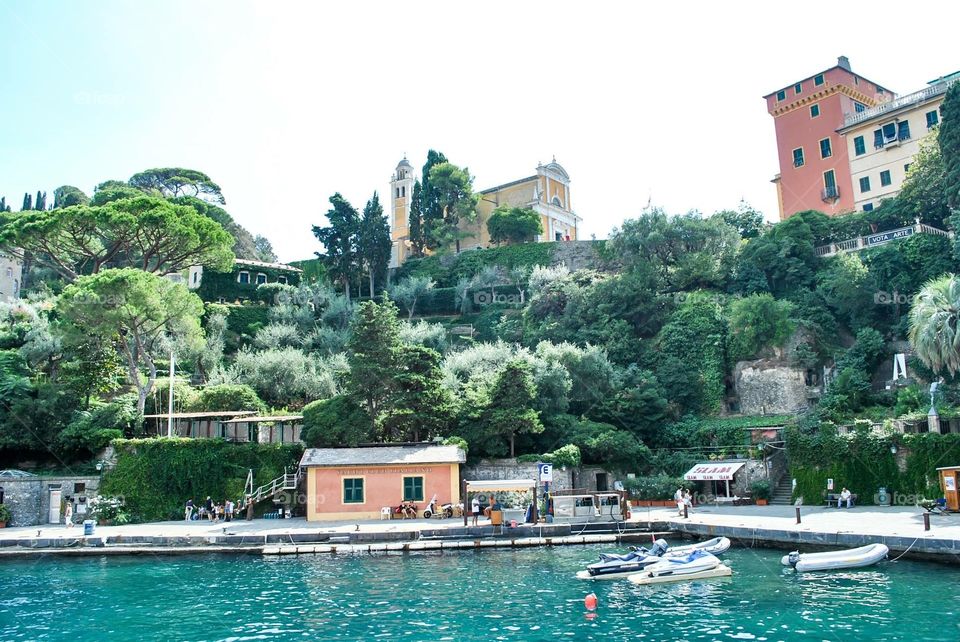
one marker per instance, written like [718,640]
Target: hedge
[217,285]
[240,318]
[864,462]
[157,476]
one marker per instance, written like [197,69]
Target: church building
[547,192]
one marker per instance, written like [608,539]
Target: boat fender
[793,558]
[590,602]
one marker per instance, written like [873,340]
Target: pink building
[359,483]
[814,168]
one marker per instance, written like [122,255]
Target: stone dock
[900,528]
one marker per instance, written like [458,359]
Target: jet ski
[698,564]
[612,565]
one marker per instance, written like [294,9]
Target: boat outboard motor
[793,558]
[659,548]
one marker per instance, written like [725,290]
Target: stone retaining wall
[29,498]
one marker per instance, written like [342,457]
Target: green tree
[148,233]
[452,192]
[373,242]
[177,181]
[512,398]
[41,202]
[431,210]
[67,195]
[27,203]
[418,240]
[756,322]
[949,141]
[410,291]
[144,315]
[935,324]
[373,355]
[335,422]
[421,407]
[339,240]
[109,191]
[514,225]
[923,194]
[746,220]
[244,244]
[264,249]
[227,397]
[3,205]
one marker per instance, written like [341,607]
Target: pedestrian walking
[228,509]
[68,514]
[188,511]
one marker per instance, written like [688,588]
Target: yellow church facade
[547,192]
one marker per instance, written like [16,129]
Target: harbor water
[522,594]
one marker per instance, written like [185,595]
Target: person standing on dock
[68,514]
[188,511]
[228,511]
[678,498]
[475,510]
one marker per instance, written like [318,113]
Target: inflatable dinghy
[831,560]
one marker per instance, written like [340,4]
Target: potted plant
[4,515]
[108,511]
[761,491]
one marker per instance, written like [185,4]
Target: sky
[285,103]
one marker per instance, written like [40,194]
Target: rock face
[770,387]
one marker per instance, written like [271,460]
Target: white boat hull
[833,560]
[646,578]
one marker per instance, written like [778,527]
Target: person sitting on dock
[845,496]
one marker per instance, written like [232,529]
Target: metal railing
[897,103]
[830,193]
[861,242]
[287,481]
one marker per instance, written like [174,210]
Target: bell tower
[401,192]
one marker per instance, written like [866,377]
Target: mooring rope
[906,551]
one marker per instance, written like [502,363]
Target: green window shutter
[353,491]
[413,489]
[858,146]
[814,111]
[826,150]
[865,184]
[885,177]
[818,80]
[781,95]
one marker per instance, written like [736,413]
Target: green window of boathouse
[413,489]
[353,490]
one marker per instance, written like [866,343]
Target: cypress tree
[417,239]
[27,202]
[3,204]
[949,140]
[41,203]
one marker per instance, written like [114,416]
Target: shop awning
[501,485]
[714,471]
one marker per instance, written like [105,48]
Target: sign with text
[886,237]
[545,472]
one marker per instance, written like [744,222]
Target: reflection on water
[527,594]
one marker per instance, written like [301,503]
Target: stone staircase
[782,493]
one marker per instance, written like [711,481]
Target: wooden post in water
[464,499]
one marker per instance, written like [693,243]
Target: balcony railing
[829,193]
[897,103]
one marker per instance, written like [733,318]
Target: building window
[885,178]
[353,490]
[903,130]
[9,273]
[906,168]
[818,80]
[798,157]
[243,277]
[261,278]
[196,275]
[932,118]
[859,107]
[878,139]
[781,95]
[859,148]
[413,489]
[814,111]
[865,184]
[868,207]
[826,151]
[398,193]
[830,185]
[282,279]
[797,88]
[403,191]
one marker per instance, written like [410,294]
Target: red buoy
[590,602]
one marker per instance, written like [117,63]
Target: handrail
[897,103]
[287,481]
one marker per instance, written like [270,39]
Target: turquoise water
[527,594]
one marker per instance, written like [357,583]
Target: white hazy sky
[284,103]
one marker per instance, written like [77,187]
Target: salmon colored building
[814,164]
[358,483]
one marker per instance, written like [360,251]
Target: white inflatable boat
[850,558]
[695,566]
[715,546]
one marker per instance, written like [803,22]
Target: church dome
[404,163]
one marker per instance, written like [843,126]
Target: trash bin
[88,526]
[496,518]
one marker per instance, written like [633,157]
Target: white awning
[714,471]
[502,485]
